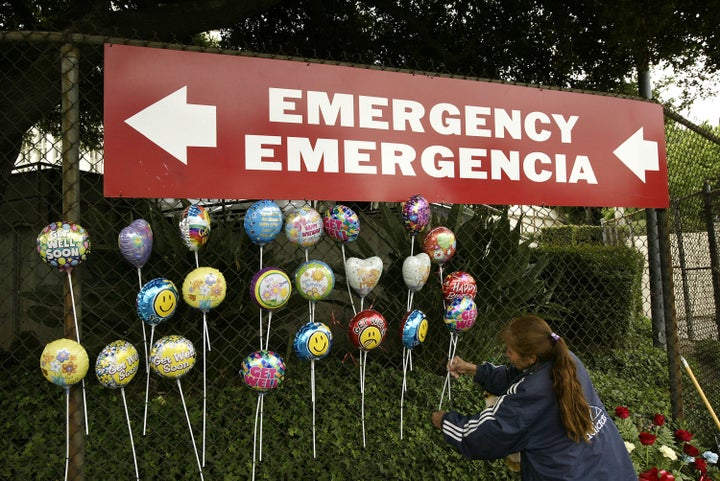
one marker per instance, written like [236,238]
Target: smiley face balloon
[64,362]
[313,341]
[413,329]
[367,329]
[157,301]
[117,364]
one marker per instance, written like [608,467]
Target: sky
[702,110]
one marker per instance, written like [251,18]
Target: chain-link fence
[57,176]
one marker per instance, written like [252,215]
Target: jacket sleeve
[495,379]
[495,432]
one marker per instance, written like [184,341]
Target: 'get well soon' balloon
[172,356]
[63,245]
[117,364]
[263,371]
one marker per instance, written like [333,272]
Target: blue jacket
[526,419]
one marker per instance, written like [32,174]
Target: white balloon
[415,271]
[363,274]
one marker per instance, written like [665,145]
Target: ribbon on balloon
[64,363]
[65,245]
[115,367]
[172,357]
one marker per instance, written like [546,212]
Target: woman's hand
[457,366]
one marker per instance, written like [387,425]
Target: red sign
[199,125]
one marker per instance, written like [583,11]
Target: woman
[547,409]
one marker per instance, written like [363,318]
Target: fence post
[671,332]
[689,319]
[70,136]
[713,247]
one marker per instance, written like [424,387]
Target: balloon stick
[206,347]
[192,437]
[197,260]
[451,354]
[67,432]
[77,335]
[132,442]
[147,384]
[258,414]
[347,280]
[363,361]
[312,396]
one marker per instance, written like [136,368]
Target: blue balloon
[413,328]
[157,301]
[313,341]
[263,221]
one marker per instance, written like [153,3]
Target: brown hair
[530,335]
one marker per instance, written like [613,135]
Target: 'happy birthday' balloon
[263,221]
[341,223]
[460,314]
[270,288]
[195,226]
[367,329]
[314,280]
[172,356]
[157,301]
[117,364]
[413,328]
[63,245]
[439,244]
[304,226]
[263,371]
[135,242]
[415,214]
[313,341]
[64,362]
[204,288]
[458,284]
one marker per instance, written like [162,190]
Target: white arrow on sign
[639,155]
[174,125]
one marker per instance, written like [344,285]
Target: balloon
[460,314]
[204,288]
[304,226]
[157,301]
[64,362]
[195,226]
[313,341]
[135,242]
[270,288]
[263,221]
[314,280]
[63,245]
[458,284]
[439,244]
[363,274]
[367,329]
[415,271]
[172,356]
[416,214]
[117,364]
[263,371]
[341,223]
[413,328]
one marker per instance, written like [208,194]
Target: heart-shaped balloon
[263,221]
[363,274]
[439,244]
[135,242]
[304,226]
[415,214]
[415,271]
[341,223]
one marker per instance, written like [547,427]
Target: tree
[583,45]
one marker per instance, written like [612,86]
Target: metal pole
[656,301]
[70,136]
[712,244]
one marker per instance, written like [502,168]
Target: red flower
[622,412]
[691,450]
[682,435]
[656,474]
[658,420]
[700,465]
[646,438]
